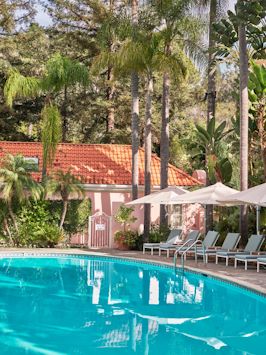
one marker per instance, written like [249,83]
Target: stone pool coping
[246,280]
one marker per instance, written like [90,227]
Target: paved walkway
[249,278]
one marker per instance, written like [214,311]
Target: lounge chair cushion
[247,256]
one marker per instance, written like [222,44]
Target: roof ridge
[182,172]
[67,143]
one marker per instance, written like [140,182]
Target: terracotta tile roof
[98,163]
[261,62]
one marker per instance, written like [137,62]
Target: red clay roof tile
[98,163]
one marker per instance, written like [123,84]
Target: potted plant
[125,238]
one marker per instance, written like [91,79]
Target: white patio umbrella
[207,196]
[210,195]
[161,197]
[254,196]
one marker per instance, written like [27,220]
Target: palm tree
[143,56]
[211,90]
[60,74]
[135,113]
[105,16]
[216,9]
[244,108]
[65,184]
[148,149]
[209,146]
[181,35]
[17,184]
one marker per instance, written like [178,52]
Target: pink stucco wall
[109,202]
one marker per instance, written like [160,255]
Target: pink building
[106,171]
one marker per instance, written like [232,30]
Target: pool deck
[248,279]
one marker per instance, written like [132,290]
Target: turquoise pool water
[65,305]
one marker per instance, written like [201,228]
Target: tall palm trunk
[211,95]
[64,212]
[147,173]
[261,125]
[243,63]
[12,215]
[164,144]
[110,96]
[6,227]
[64,117]
[135,116]
[110,87]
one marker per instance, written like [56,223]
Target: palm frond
[63,72]
[16,179]
[51,133]
[20,86]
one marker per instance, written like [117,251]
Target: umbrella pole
[205,219]
[258,219]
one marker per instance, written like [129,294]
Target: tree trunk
[147,173]
[110,96]
[243,59]
[261,124]
[164,144]
[64,117]
[211,96]
[64,212]
[110,86]
[6,227]
[211,93]
[13,217]
[135,116]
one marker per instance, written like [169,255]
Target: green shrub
[77,216]
[158,234]
[37,226]
[228,221]
[124,216]
[127,239]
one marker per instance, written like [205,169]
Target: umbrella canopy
[254,196]
[210,195]
[161,197]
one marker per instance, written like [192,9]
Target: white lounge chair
[253,246]
[231,241]
[173,238]
[190,239]
[209,241]
[261,261]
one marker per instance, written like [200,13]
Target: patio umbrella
[253,196]
[162,197]
[207,196]
[210,195]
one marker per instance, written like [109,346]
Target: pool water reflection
[58,306]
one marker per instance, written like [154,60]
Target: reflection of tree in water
[120,283]
[68,305]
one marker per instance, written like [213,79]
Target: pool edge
[74,253]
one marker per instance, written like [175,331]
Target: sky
[44,19]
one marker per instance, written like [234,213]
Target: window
[32,163]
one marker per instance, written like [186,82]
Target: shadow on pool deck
[249,278]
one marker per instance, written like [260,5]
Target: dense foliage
[70,80]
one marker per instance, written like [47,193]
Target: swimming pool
[93,305]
